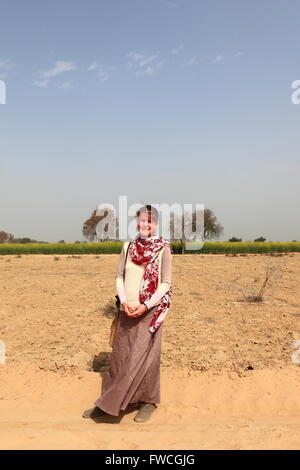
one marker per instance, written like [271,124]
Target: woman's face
[146,226]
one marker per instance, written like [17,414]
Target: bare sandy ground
[228,380]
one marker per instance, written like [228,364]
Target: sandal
[93,413]
[145,411]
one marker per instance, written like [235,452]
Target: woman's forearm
[120,278]
[157,296]
[121,290]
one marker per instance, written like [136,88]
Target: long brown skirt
[134,373]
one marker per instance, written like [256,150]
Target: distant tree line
[235,239]
[212,229]
[6,237]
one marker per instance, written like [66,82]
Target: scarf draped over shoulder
[145,251]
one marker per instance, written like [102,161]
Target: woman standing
[144,286]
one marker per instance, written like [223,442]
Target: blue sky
[165,101]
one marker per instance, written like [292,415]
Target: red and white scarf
[145,251]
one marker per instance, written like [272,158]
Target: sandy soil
[228,380]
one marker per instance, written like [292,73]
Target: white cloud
[102,71]
[141,59]
[5,67]
[93,66]
[147,60]
[147,71]
[66,86]
[6,64]
[136,56]
[221,58]
[142,62]
[60,66]
[150,70]
[238,54]
[218,58]
[41,83]
[176,50]
[189,63]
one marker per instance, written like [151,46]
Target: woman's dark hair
[150,210]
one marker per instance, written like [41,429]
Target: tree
[6,237]
[235,239]
[94,230]
[211,229]
[25,240]
[260,239]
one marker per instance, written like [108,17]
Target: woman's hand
[128,308]
[139,310]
